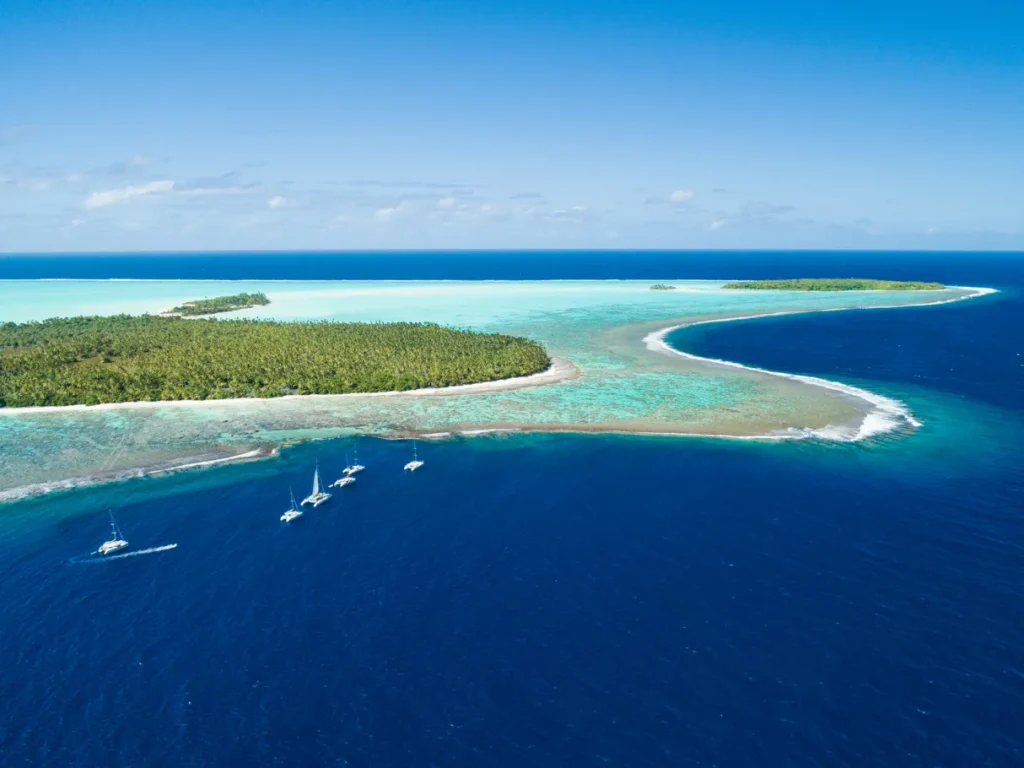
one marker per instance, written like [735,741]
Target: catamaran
[116,541]
[293,511]
[415,464]
[355,466]
[317,497]
[341,482]
[346,474]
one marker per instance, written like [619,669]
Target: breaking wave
[885,414]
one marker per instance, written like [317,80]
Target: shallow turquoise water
[556,600]
[598,325]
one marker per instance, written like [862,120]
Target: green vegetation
[833,284]
[92,360]
[220,304]
[662,287]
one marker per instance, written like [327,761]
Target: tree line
[220,304]
[125,358]
[834,284]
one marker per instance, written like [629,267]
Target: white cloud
[574,215]
[385,214]
[164,189]
[677,197]
[447,202]
[277,201]
[139,161]
[717,224]
[123,194]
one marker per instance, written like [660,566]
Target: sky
[365,124]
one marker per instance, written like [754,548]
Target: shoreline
[559,369]
[198,461]
[885,414]
[882,415]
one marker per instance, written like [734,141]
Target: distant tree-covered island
[833,284]
[219,304]
[662,287]
[124,358]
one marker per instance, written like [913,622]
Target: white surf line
[94,558]
[96,478]
[888,413]
[253,454]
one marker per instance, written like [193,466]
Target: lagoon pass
[613,372]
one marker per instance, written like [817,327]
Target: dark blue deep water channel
[560,600]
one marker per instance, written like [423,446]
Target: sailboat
[116,541]
[346,476]
[293,511]
[355,466]
[415,464]
[342,481]
[317,497]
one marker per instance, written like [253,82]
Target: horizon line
[361,251]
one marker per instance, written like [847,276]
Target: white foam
[38,489]
[256,453]
[886,414]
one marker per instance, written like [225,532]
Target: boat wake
[94,558]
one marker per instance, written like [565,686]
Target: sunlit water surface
[562,600]
[597,325]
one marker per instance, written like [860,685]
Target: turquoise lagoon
[599,326]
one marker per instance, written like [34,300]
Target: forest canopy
[833,284]
[220,304]
[124,358]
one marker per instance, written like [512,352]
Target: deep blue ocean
[559,600]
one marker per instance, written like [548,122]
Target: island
[616,366]
[127,358]
[219,304]
[833,284]
[662,287]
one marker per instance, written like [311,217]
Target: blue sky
[455,124]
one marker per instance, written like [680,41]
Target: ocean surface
[558,600]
